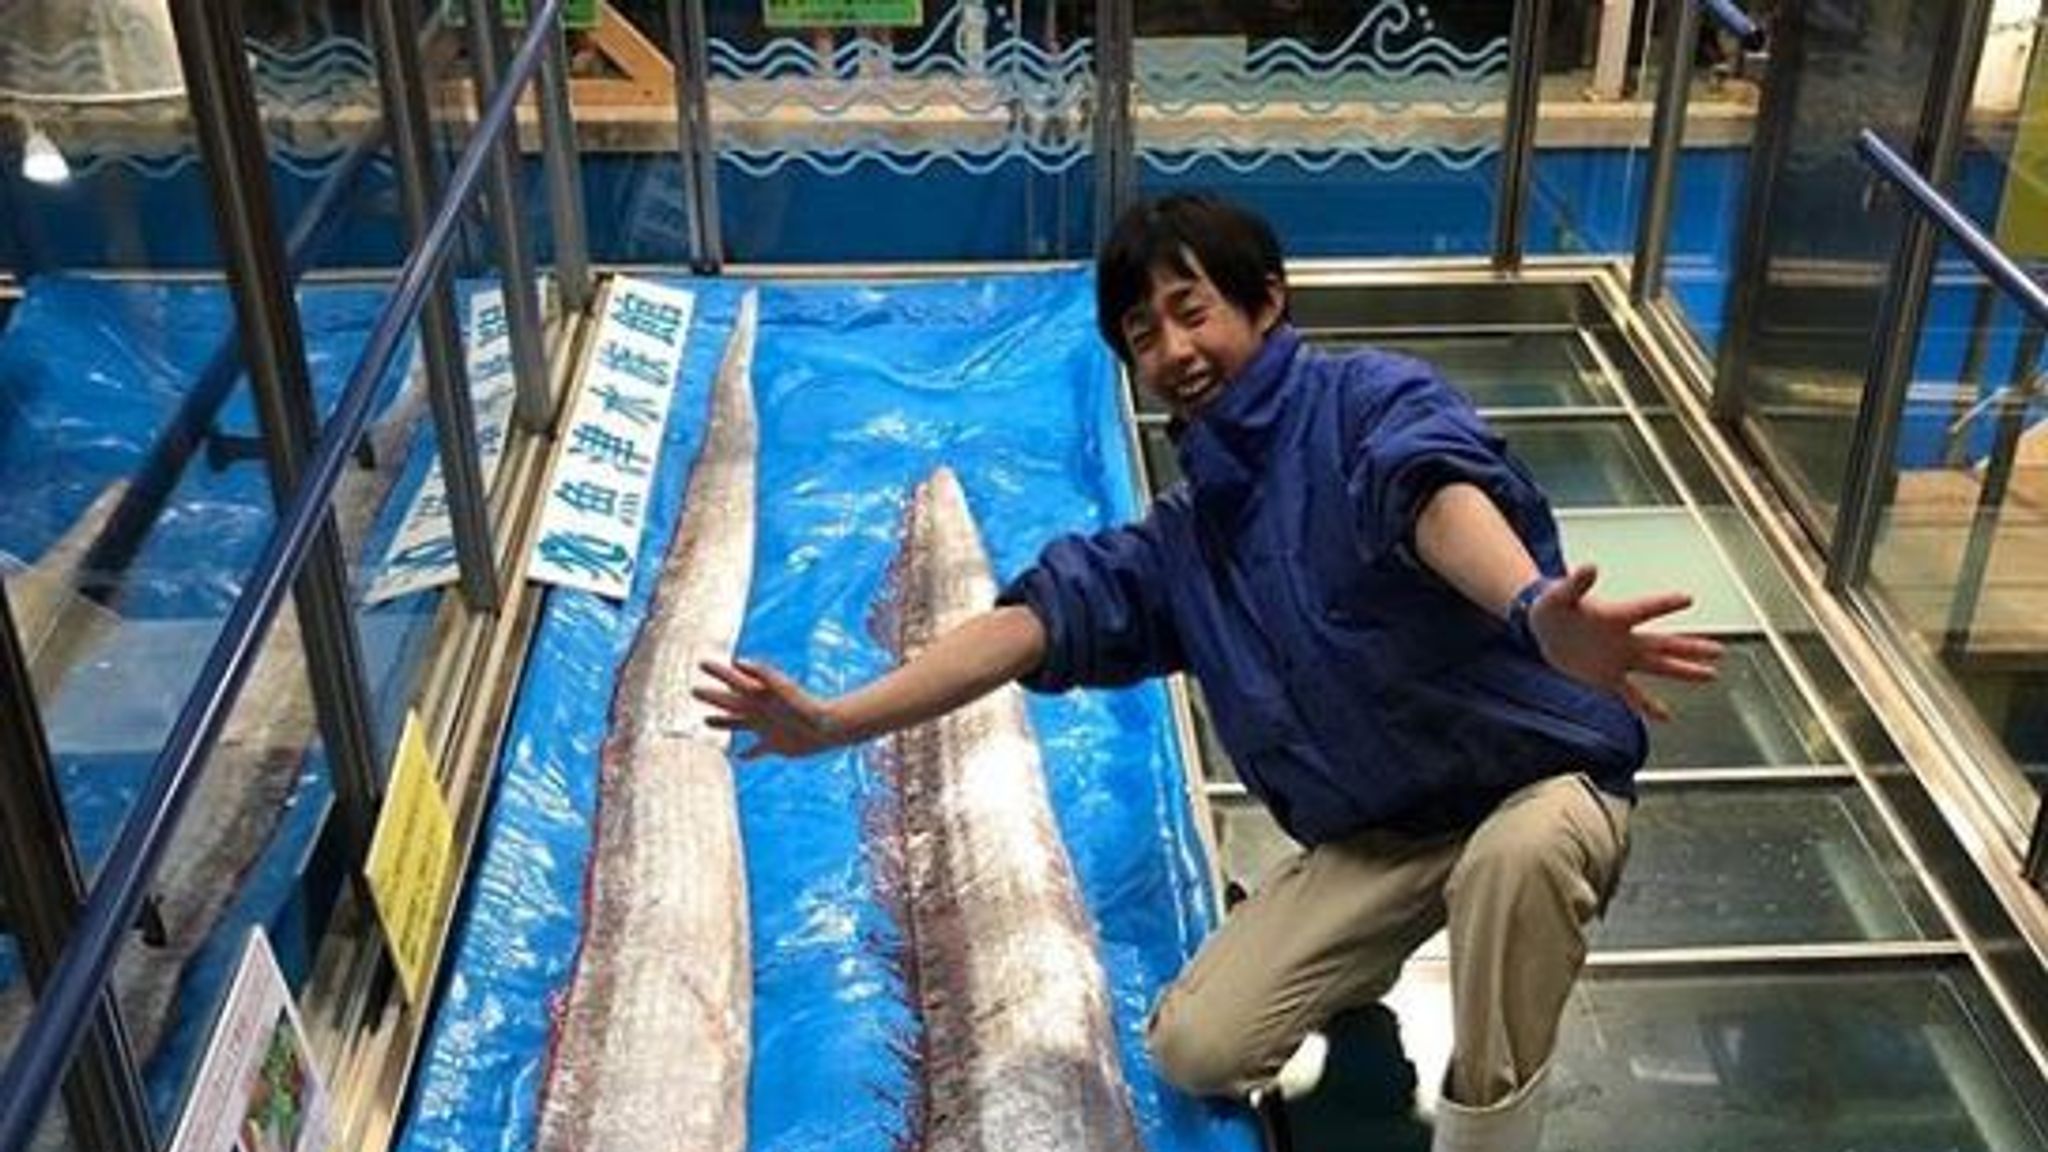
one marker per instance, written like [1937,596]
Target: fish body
[1018,1052]
[241,795]
[653,1040]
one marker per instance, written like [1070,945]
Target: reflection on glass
[1508,370]
[1961,558]
[1826,257]
[1359,128]
[1790,1064]
[1589,463]
[1642,552]
[1762,865]
[1752,715]
[1685,458]
[964,137]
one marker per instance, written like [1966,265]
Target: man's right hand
[784,719]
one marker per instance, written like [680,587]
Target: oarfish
[652,1044]
[242,791]
[52,615]
[1017,1051]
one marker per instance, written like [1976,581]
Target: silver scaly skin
[653,1042]
[1018,1052]
[241,795]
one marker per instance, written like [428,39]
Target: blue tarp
[90,370]
[862,391]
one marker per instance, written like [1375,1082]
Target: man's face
[1188,340]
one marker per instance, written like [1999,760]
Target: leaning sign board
[257,1089]
[422,552]
[843,13]
[597,496]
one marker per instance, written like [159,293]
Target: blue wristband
[1520,633]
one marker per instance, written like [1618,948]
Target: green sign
[843,13]
[578,15]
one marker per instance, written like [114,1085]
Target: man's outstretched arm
[1461,535]
[972,660]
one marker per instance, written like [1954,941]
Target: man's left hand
[1603,642]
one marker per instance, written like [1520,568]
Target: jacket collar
[1224,447]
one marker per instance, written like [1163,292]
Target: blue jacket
[1351,686]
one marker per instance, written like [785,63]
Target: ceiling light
[41,162]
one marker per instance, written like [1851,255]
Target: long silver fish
[243,791]
[1017,1052]
[653,1043]
[52,616]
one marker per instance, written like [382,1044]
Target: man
[1370,591]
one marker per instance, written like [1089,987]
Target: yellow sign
[2023,212]
[409,856]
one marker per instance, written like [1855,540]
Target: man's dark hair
[1235,247]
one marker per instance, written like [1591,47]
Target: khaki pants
[1330,928]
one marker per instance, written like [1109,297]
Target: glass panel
[1792,1064]
[315,78]
[1249,844]
[623,90]
[1216,765]
[1826,258]
[1962,552]
[1589,463]
[1751,716]
[1786,1063]
[1685,459]
[1162,463]
[1506,370]
[965,137]
[1641,552]
[1358,128]
[100,173]
[1763,865]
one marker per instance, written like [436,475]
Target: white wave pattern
[1390,62]
[87,51]
[312,165]
[335,70]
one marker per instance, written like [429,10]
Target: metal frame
[1867,487]
[1518,141]
[82,972]
[535,406]
[402,82]
[232,143]
[561,159]
[39,874]
[1775,119]
[697,144]
[1115,139]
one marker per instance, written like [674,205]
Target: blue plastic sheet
[90,371]
[862,391]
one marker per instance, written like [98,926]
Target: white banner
[597,497]
[422,552]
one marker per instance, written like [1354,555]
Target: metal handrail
[46,1044]
[1997,267]
[1734,21]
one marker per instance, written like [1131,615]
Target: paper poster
[258,1089]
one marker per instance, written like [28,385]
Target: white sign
[257,1089]
[422,552]
[597,496]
